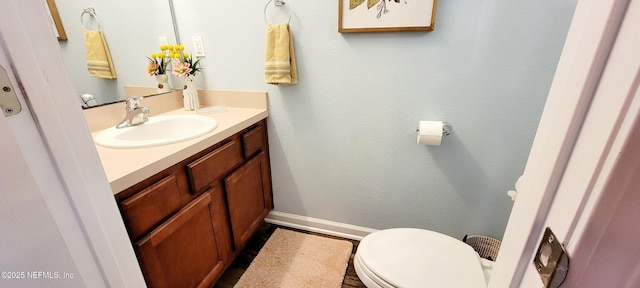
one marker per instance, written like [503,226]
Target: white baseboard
[318,225]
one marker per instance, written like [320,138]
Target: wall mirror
[132,30]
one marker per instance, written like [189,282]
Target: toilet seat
[408,257]
[368,278]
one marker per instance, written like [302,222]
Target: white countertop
[126,167]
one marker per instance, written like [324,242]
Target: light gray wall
[343,140]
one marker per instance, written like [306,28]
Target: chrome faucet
[134,113]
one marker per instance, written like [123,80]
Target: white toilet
[409,257]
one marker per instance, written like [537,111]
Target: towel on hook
[280,60]
[99,60]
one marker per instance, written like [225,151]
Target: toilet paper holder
[446,128]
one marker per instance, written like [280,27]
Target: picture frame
[56,21]
[356,16]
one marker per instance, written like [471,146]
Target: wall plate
[162,40]
[9,102]
[198,46]
[551,260]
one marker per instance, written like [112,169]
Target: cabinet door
[183,252]
[249,198]
[149,207]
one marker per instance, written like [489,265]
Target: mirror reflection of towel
[280,60]
[99,60]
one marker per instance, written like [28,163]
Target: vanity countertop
[126,167]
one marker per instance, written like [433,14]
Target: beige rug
[293,259]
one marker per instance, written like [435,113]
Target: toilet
[409,257]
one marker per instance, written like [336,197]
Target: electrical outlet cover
[198,46]
[162,40]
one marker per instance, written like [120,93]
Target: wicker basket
[486,247]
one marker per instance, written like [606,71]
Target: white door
[56,207]
[598,176]
[42,243]
[575,177]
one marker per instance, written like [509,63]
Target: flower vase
[190,94]
[163,83]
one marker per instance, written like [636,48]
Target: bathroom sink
[158,130]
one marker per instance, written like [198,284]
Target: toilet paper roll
[430,132]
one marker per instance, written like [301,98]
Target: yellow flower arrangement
[185,66]
[158,62]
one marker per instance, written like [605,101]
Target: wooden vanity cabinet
[248,196]
[183,251]
[188,222]
[147,208]
[212,166]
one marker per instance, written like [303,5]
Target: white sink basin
[159,130]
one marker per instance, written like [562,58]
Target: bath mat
[293,259]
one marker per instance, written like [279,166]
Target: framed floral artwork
[386,15]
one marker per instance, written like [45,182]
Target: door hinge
[9,102]
[551,260]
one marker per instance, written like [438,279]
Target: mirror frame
[172,11]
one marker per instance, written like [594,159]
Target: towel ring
[276,3]
[92,13]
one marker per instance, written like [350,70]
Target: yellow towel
[280,60]
[99,60]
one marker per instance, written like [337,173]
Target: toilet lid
[408,257]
